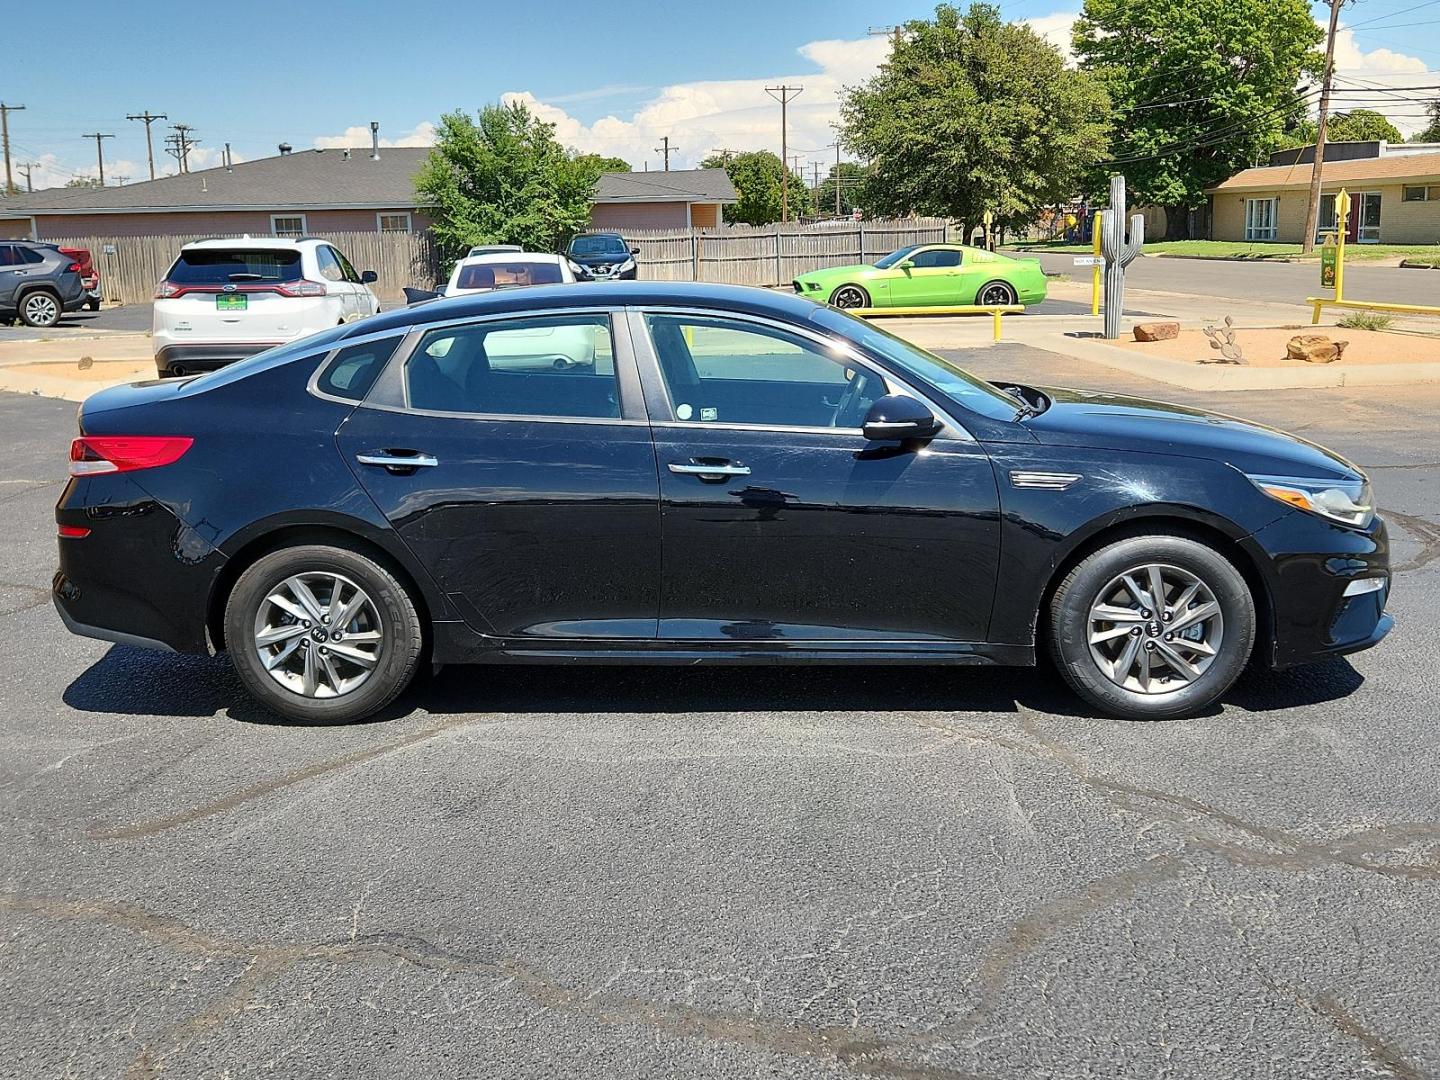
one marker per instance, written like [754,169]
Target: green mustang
[928,275]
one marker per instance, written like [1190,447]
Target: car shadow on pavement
[138,682]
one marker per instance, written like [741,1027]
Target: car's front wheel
[40,309]
[1152,627]
[322,634]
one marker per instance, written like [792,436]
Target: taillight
[73,268]
[72,532]
[166,289]
[93,454]
[300,288]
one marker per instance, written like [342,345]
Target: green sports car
[928,275]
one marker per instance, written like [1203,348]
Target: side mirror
[634,251]
[905,264]
[896,416]
[368,277]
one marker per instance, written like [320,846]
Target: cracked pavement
[909,873]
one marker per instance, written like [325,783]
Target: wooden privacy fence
[772,254]
[130,266]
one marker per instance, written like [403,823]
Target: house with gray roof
[316,192]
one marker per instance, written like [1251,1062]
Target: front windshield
[598,245]
[944,375]
[890,260]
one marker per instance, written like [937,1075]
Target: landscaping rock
[1314,348]
[1156,331]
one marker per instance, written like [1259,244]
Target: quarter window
[353,370]
[559,366]
[287,224]
[722,371]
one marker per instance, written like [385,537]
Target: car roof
[251,242]
[742,299]
[508,257]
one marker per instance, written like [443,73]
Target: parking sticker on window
[684,412]
[709,414]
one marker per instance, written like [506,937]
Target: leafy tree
[757,176]
[81,182]
[602,164]
[970,114]
[849,177]
[503,179]
[1201,89]
[1431,131]
[1358,125]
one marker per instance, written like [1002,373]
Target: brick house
[313,192]
[1394,199]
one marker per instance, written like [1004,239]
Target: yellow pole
[996,313]
[1342,218]
[1095,270]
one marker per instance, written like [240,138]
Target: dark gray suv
[37,283]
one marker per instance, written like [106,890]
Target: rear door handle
[709,472]
[386,460]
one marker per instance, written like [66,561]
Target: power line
[149,119]
[1392,14]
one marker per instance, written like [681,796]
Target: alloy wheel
[849,296]
[41,309]
[319,635]
[1155,629]
[996,294]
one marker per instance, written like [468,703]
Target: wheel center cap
[1154,629]
[319,635]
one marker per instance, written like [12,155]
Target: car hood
[1110,422]
[599,260]
[837,271]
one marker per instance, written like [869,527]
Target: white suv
[224,300]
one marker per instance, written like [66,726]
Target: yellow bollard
[996,312]
[1095,270]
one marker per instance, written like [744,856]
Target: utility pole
[149,119]
[815,176]
[837,178]
[178,145]
[725,153]
[120,180]
[1312,210]
[666,149]
[99,151]
[784,95]
[5,111]
[26,169]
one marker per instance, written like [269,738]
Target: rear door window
[236,266]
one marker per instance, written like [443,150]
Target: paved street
[1279,283]
[905,873]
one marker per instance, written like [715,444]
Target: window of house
[1327,222]
[392,222]
[1413,194]
[553,366]
[725,371]
[1260,219]
[287,224]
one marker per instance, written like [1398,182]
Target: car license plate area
[231,302]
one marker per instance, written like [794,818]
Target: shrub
[1367,320]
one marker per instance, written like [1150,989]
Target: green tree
[602,164]
[849,177]
[502,178]
[757,177]
[1431,131]
[1201,89]
[1358,125]
[81,182]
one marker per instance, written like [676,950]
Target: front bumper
[1311,564]
[594,273]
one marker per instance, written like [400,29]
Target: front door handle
[407,462]
[717,471]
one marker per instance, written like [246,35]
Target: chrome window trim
[644,352]
[390,394]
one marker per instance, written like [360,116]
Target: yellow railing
[995,311]
[1342,215]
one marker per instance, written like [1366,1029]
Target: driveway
[610,872]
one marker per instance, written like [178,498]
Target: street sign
[1089,260]
[109,249]
[1328,262]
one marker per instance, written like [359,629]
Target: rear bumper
[184,359]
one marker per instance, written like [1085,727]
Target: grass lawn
[1227,249]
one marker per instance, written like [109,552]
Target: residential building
[317,192]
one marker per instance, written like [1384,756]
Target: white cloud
[422,134]
[1056,28]
[1387,68]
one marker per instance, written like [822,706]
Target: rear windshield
[498,275]
[598,245]
[221,266]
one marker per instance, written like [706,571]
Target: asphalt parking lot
[905,873]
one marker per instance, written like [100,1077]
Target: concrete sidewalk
[75,367]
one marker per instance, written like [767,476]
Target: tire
[1143,684]
[40,308]
[996,294]
[385,627]
[850,296]
[93,304]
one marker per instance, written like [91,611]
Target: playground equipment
[1332,273]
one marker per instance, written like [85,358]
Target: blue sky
[614,77]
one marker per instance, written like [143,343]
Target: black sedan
[651,473]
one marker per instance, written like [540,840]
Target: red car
[89,275]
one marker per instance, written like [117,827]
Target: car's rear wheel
[93,303]
[850,296]
[996,294]
[1152,627]
[40,308]
[322,634]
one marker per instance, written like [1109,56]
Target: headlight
[628,264]
[1346,501]
[576,268]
